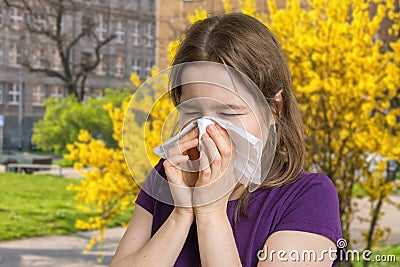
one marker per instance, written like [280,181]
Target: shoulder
[309,210]
[312,189]
[307,182]
[310,204]
[309,187]
[317,189]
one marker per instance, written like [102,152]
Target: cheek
[252,125]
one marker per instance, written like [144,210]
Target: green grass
[37,205]
[359,192]
[383,250]
[43,153]
[63,163]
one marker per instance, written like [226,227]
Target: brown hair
[244,43]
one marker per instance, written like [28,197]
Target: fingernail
[211,128]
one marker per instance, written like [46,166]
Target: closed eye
[230,114]
[193,113]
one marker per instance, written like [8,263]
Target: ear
[279,100]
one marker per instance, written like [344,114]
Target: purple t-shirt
[310,204]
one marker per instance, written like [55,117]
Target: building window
[56,91]
[52,20]
[136,66]
[40,23]
[13,94]
[38,95]
[38,57]
[1,92]
[120,33]
[1,54]
[149,35]
[147,68]
[86,58]
[136,33]
[101,29]
[55,60]
[15,55]
[101,68]
[1,15]
[108,65]
[86,24]
[16,17]
[119,67]
[152,5]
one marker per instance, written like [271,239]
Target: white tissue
[247,148]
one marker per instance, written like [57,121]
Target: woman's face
[200,99]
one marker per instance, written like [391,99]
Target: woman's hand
[181,181]
[216,181]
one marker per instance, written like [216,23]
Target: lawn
[37,205]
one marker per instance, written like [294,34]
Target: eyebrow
[219,106]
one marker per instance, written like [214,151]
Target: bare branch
[85,70]
[97,52]
[47,71]
[43,21]
[85,32]
[7,3]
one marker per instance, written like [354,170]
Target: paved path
[58,251]
[390,218]
[66,172]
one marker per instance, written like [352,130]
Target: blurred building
[172,19]
[23,94]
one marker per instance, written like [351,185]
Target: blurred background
[68,70]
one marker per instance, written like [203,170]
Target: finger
[205,171]
[182,147]
[178,159]
[190,135]
[213,156]
[224,132]
[219,137]
[173,175]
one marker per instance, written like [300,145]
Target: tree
[65,117]
[44,23]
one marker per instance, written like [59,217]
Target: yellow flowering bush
[345,79]
[108,187]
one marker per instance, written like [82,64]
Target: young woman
[292,219]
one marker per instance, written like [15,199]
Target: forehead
[213,82]
[204,92]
